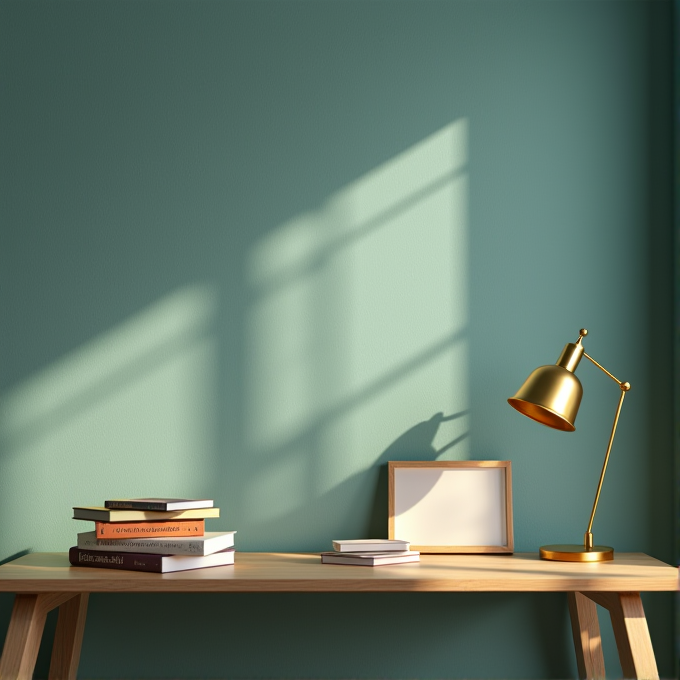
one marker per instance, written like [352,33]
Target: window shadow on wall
[357,321]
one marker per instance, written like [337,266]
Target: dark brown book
[160,564]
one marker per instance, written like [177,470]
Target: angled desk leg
[631,633]
[68,638]
[587,641]
[25,632]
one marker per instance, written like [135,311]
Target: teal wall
[255,250]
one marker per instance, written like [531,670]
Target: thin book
[373,559]
[371,545]
[97,514]
[158,504]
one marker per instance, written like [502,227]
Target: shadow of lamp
[551,395]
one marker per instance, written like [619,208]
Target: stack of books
[151,534]
[370,552]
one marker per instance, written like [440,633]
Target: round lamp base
[576,553]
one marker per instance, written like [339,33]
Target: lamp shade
[551,395]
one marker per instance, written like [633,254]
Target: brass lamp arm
[603,369]
[625,386]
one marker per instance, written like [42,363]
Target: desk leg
[587,641]
[631,633]
[25,632]
[68,638]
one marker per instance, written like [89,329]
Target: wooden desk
[43,581]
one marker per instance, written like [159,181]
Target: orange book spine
[178,527]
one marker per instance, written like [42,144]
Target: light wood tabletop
[44,581]
[303,572]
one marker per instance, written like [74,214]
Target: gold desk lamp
[551,395]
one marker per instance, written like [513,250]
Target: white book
[370,559]
[211,542]
[371,545]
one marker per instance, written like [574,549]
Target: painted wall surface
[255,250]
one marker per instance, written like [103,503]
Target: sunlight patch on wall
[130,413]
[357,328]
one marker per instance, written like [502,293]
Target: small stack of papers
[370,552]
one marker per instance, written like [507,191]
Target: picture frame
[451,506]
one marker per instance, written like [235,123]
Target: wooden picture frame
[452,506]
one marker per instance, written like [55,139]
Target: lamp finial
[581,334]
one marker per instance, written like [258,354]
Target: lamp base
[564,552]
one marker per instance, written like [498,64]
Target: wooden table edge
[619,592]
[344,578]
